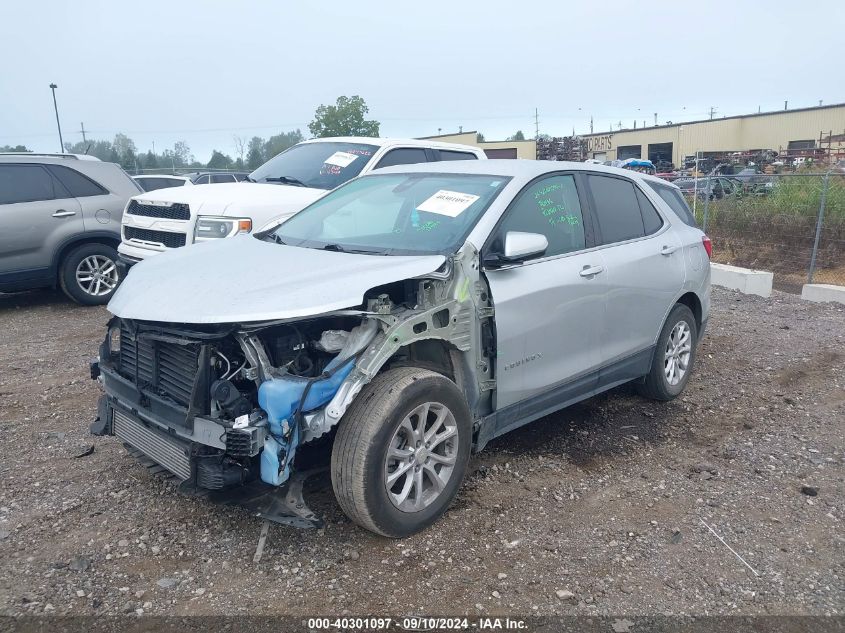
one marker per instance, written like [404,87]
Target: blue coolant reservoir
[280,397]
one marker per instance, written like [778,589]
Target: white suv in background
[159,220]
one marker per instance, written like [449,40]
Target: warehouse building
[803,132]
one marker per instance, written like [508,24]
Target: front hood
[236,198]
[242,279]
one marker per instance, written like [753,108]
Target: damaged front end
[226,408]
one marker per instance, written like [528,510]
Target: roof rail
[49,155]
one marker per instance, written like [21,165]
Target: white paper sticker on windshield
[451,203]
[341,159]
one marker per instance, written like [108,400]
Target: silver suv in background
[407,318]
[60,217]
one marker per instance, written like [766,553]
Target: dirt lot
[597,510]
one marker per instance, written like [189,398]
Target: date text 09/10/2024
[416,623]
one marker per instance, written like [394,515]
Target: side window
[25,183]
[616,208]
[651,218]
[78,185]
[446,154]
[676,202]
[202,180]
[222,178]
[549,206]
[403,156]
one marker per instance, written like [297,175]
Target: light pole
[59,125]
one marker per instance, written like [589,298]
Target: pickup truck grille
[167,369]
[167,238]
[175,211]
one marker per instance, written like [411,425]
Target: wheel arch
[94,237]
[691,300]
[429,353]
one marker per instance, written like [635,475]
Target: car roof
[33,157]
[381,142]
[519,168]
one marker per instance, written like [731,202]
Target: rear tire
[401,451]
[89,274]
[674,356]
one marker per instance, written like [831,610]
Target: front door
[549,310]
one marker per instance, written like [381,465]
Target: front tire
[89,274]
[401,451]
[674,356]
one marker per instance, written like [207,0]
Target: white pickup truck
[159,220]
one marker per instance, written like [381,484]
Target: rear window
[617,209]
[651,218]
[446,154]
[78,186]
[675,200]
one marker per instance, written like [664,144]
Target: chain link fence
[790,224]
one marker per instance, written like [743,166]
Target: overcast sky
[206,71]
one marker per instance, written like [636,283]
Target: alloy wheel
[97,275]
[421,457]
[677,355]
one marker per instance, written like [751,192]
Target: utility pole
[655,119]
[785,105]
[712,112]
[537,125]
[82,129]
[59,125]
[591,124]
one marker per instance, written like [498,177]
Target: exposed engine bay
[225,407]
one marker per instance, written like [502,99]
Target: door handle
[668,250]
[61,213]
[589,271]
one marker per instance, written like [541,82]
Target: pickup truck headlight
[212,228]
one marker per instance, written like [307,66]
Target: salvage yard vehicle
[161,220]
[406,318]
[61,223]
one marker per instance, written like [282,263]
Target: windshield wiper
[288,180]
[276,239]
[337,248]
[248,179]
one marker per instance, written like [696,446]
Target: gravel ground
[600,509]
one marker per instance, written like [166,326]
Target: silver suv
[405,319]
[61,224]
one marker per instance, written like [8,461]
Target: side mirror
[521,246]
[518,247]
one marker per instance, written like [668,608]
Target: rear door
[549,311]
[37,215]
[645,267]
[94,200]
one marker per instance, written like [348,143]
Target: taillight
[708,245]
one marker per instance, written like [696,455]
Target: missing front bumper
[283,504]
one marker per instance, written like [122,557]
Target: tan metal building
[787,132]
[493,149]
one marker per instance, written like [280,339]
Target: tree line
[347,117]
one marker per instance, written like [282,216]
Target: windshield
[394,214]
[318,165]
